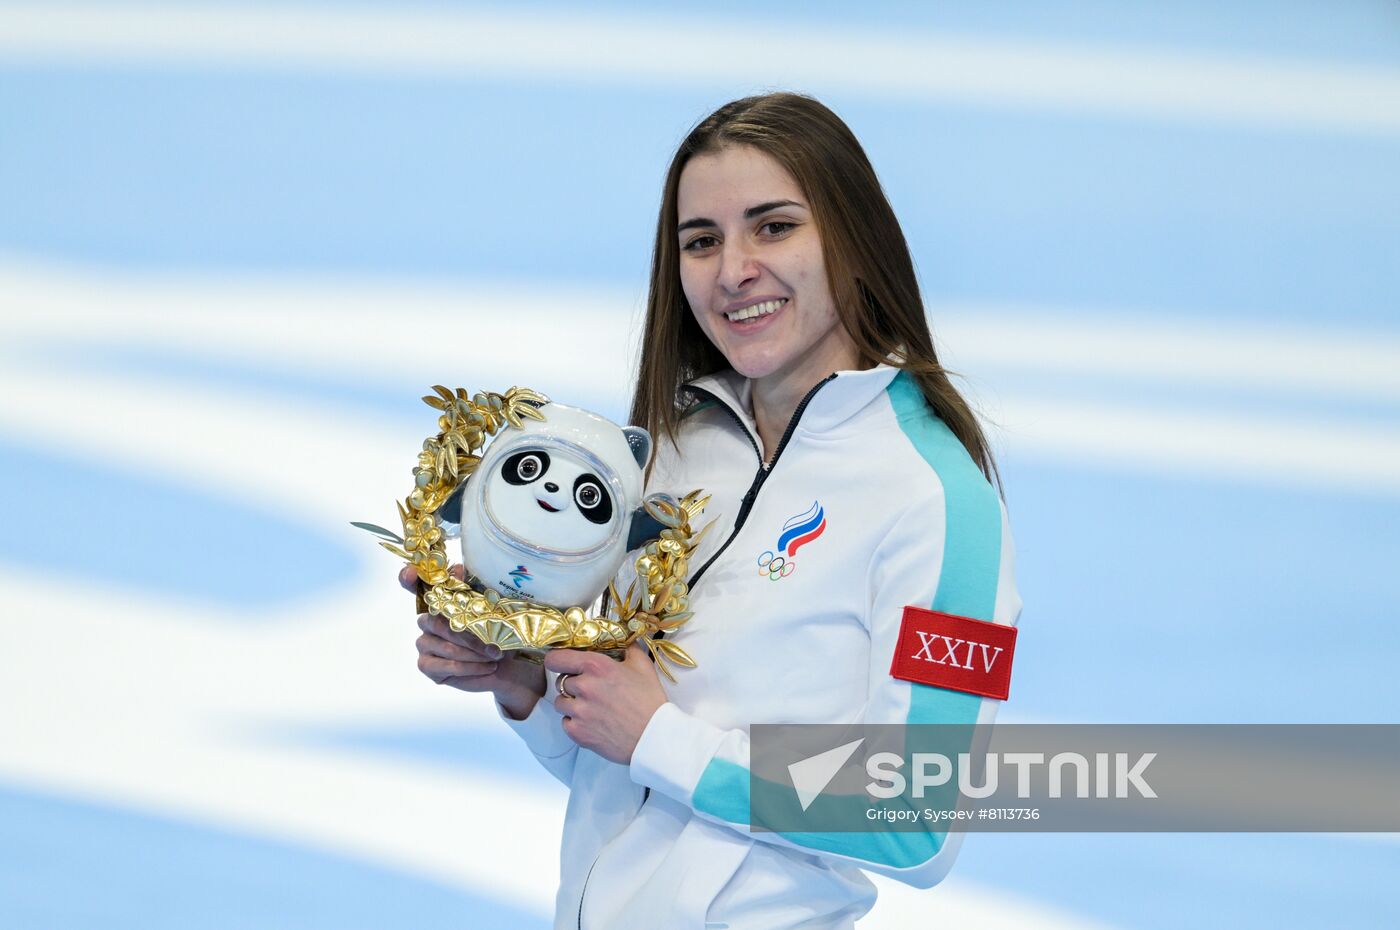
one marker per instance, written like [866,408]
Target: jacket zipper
[745,506]
[765,468]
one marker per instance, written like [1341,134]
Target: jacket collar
[837,401]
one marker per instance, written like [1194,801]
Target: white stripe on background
[391,328]
[1301,361]
[565,343]
[651,49]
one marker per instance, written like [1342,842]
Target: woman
[789,366]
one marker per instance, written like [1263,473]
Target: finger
[474,683]
[428,644]
[570,661]
[434,625]
[580,686]
[576,687]
[567,707]
[440,669]
[458,571]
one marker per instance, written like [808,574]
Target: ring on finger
[559,685]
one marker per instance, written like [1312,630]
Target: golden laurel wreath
[447,460]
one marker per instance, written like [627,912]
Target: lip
[546,506]
[753,328]
[752,301]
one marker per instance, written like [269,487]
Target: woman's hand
[462,661]
[612,701]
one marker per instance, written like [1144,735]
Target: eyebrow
[750,213]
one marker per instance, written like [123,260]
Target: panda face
[551,499]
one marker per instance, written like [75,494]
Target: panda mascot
[552,509]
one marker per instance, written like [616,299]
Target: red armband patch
[958,653]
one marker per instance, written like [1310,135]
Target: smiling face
[752,269]
[552,499]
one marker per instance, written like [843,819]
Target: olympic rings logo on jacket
[796,533]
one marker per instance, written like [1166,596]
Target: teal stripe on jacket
[967,580]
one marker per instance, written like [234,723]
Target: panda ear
[451,509]
[640,442]
[643,529]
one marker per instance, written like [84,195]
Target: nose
[738,266]
[551,487]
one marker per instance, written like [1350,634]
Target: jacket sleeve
[543,733]
[954,556]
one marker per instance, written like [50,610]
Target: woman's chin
[755,362]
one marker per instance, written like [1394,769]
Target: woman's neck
[773,407]
[775,399]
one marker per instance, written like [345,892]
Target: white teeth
[763,309]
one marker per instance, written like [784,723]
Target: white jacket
[877,506]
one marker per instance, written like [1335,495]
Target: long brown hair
[868,266]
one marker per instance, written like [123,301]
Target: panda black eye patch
[525,467]
[593,501]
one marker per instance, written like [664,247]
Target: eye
[525,467]
[776,228]
[588,496]
[593,502]
[700,244]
